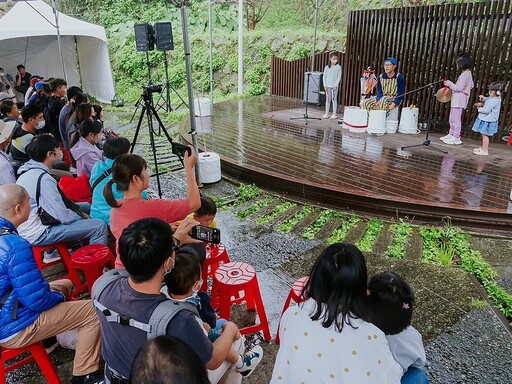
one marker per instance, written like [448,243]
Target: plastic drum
[209,167]
[203,106]
[377,122]
[355,119]
[409,121]
[391,126]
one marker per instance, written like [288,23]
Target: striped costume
[389,90]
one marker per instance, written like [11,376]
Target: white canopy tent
[28,36]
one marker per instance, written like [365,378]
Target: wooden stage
[324,163]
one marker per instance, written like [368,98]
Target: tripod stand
[305,116]
[149,111]
[427,142]
[165,102]
[150,82]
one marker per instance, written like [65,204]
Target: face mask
[2,73]
[194,299]
[41,124]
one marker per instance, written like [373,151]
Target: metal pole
[56,13]
[188,67]
[210,40]
[241,47]
[314,38]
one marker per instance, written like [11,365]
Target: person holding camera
[130,174]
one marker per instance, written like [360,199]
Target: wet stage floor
[322,162]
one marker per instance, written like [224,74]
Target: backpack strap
[38,188]
[164,313]
[106,279]
[102,177]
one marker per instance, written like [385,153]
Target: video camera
[149,89]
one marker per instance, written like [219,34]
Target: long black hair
[337,282]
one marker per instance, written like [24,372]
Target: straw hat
[6,130]
[444,95]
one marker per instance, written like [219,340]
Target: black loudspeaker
[316,88]
[163,32]
[144,37]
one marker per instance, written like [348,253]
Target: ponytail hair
[124,168]
[87,127]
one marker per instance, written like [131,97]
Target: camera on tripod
[149,89]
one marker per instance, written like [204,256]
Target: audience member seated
[167,360]
[391,304]
[6,93]
[38,95]
[183,283]
[69,222]
[82,112]
[205,215]
[84,149]
[147,249]
[31,90]
[33,120]
[130,173]
[10,112]
[32,309]
[328,336]
[101,174]
[67,111]
[22,81]
[6,79]
[55,104]
[7,175]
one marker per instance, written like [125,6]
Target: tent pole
[56,13]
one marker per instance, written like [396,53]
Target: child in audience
[183,283]
[84,149]
[205,215]
[391,303]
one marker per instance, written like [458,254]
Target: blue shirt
[99,207]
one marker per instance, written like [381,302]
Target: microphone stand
[427,142]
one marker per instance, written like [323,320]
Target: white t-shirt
[407,348]
[310,353]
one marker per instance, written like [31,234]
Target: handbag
[46,218]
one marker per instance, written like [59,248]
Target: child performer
[487,121]
[461,91]
[391,303]
[332,78]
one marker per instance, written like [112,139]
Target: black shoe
[92,378]
[50,344]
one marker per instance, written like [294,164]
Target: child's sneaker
[334,116]
[447,137]
[325,116]
[250,360]
[50,256]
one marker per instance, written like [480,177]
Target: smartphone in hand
[208,234]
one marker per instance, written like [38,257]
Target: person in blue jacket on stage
[390,88]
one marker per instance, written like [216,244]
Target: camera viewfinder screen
[204,233]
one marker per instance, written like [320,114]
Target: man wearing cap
[390,88]
[38,88]
[31,90]
[6,94]
[7,174]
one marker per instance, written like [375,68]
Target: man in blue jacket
[32,310]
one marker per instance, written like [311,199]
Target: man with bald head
[31,310]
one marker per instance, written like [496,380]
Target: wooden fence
[426,41]
[287,77]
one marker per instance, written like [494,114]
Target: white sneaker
[50,256]
[325,116]
[448,136]
[334,116]
[455,141]
[250,360]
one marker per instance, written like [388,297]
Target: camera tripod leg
[137,104]
[139,124]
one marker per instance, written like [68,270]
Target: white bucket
[409,121]
[209,167]
[377,123]
[391,126]
[393,114]
[203,106]
[355,119]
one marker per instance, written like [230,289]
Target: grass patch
[365,244]
[402,231]
[276,212]
[311,231]
[254,208]
[287,225]
[339,234]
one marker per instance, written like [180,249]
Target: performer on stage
[390,88]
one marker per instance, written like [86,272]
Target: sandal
[480,152]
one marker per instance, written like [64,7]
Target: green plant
[247,192]
[478,304]
[365,244]
[311,231]
[287,225]
[445,255]
[401,233]
[339,234]
[276,212]
[254,208]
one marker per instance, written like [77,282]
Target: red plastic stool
[294,295]
[215,254]
[234,283]
[37,353]
[65,258]
[90,260]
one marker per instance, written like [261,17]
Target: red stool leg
[260,309]
[43,360]
[291,296]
